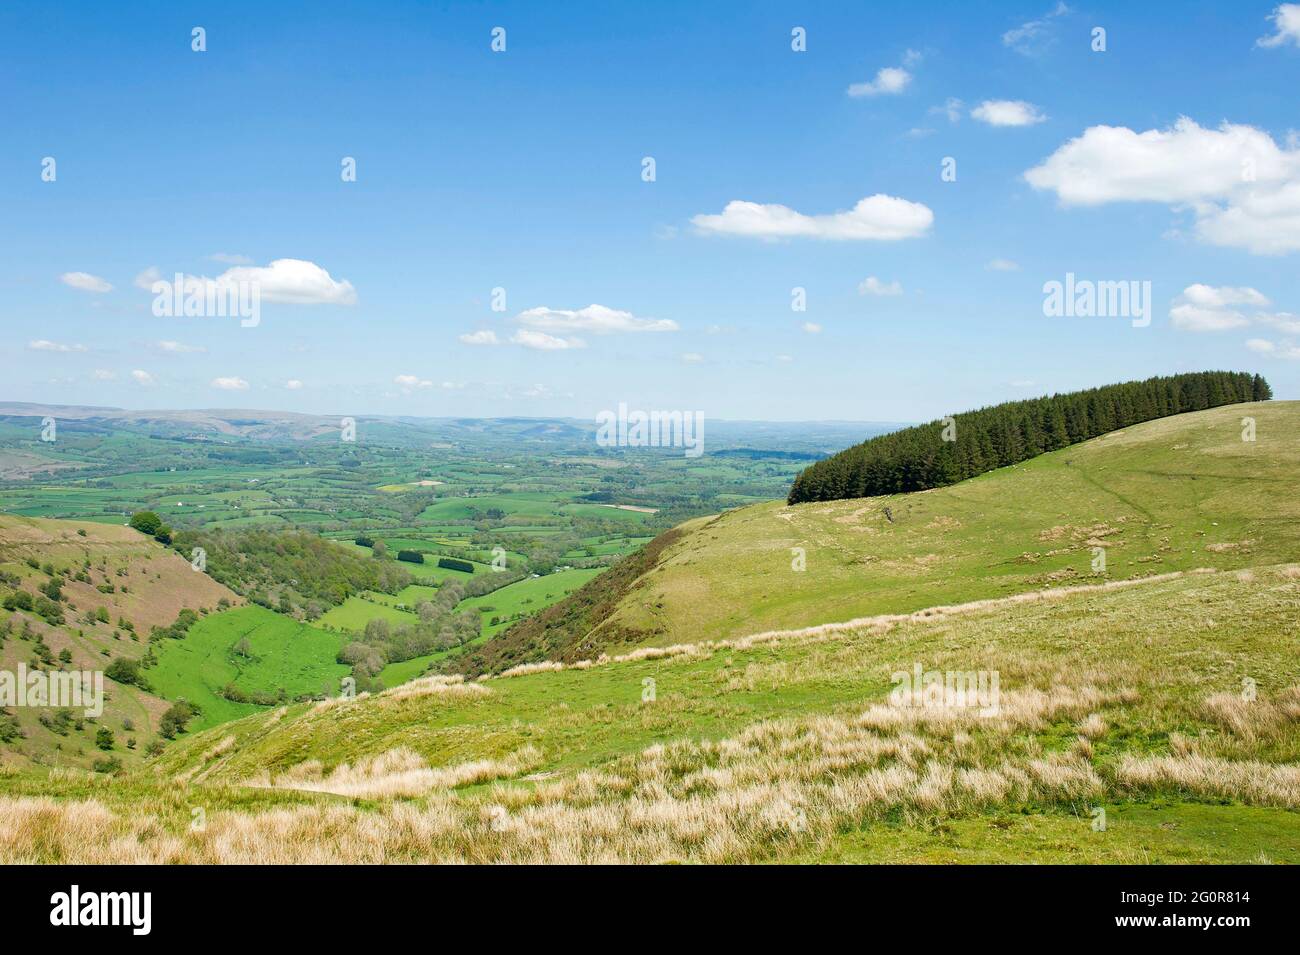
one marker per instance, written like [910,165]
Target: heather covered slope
[1174,494]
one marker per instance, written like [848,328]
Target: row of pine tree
[948,451]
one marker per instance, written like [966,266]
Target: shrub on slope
[289,570]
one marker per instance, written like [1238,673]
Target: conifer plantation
[915,459]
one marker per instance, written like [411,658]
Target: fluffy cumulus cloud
[879,217]
[141,377]
[1286,26]
[889,81]
[1007,112]
[551,329]
[293,281]
[1205,308]
[1242,188]
[85,282]
[232,383]
[293,384]
[873,286]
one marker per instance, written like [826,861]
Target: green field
[526,596]
[355,612]
[284,655]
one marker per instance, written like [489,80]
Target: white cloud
[1208,308]
[541,341]
[1002,265]
[293,281]
[1034,36]
[812,328]
[597,319]
[1283,321]
[1285,350]
[878,217]
[543,328]
[1007,112]
[1286,22]
[1207,296]
[146,278]
[44,344]
[293,384]
[784,358]
[103,374]
[890,80]
[1243,189]
[227,258]
[230,384]
[692,358]
[142,377]
[85,282]
[873,286]
[179,348]
[409,383]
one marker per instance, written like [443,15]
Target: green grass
[525,597]
[284,654]
[355,612]
[596,718]
[1173,494]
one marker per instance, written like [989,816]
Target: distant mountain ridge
[263,425]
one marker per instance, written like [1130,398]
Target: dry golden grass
[398,773]
[1261,784]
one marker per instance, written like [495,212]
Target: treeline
[952,450]
[293,572]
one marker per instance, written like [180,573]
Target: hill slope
[114,586]
[1173,494]
[786,747]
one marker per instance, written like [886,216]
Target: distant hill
[1174,494]
[228,425]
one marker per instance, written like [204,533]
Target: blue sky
[522,170]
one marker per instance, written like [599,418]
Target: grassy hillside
[1122,698]
[1174,494]
[115,586]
